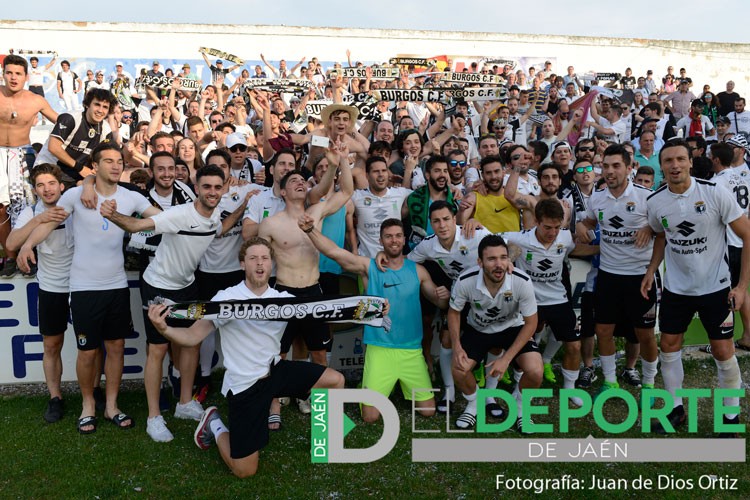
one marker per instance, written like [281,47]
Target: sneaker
[54,411]
[203,434]
[506,378]
[606,386]
[9,269]
[631,376]
[189,411]
[676,417]
[304,406]
[201,391]
[32,272]
[174,381]
[519,425]
[549,374]
[586,377]
[730,435]
[157,429]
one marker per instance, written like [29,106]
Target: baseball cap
[683,81]
[234,139]
[219,61]
[119,63]
[723,119]
[155,63]
[561,144]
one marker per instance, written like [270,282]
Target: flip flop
[118,419]
[86,421]
[274,418]
[466,421]
[494,409]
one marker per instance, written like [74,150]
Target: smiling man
[100,297]
[187,230]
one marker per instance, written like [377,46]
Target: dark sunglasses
[127,117]
[586,148]
[516,157]
[580,170]
[238,148]
[455,163]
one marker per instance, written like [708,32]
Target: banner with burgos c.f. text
[330,425]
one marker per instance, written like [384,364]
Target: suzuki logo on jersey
[456,266]
[686,228]
[616,222]
[544,264]
[380,214]
[492,312]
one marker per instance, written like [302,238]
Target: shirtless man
[18,110]
[296,258]
[340,121]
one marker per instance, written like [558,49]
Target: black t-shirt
[726,102]
[628,82]
[216,72]
[553,106]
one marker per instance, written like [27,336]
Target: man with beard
[550,177]
[418,202]
[625,247]
[20,108]
[498,210]
[396,355]
[456,167]
[502,316]
[187,230]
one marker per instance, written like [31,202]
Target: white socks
[649,370]
[217,427]
[729,378]
[609,368]
[672,373]
[446,356]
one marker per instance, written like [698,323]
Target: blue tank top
[334,227]
[401,288]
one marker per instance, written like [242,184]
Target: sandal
[466,421]
[273,419]
[494,410]
[118,420]
[85,422]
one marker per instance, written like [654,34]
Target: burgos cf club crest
[196,311]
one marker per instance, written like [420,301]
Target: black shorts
[438,276]
[316,333]
[617,299]
[148,292]
[54,311]
[37,89]
[100,315]
[735,264]
[626,331]
[329,283]
[587,315]
[478,344]
[677,311]
[248,410]
[561,319]
[209,284]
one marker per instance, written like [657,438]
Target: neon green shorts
[384,366]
